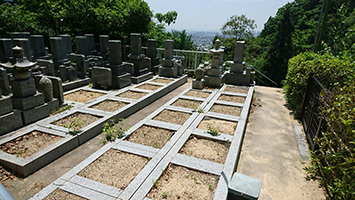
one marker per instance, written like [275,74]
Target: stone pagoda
[214,76]
[25,97]
[141,64]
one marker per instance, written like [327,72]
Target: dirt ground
[83,118]
[231,98]
[114,168]
[206,149]
[109,105]
[238,89]
[82,96]
[172,117]
[162,80]
[181,183]
[187,103]
[132,94]
[150,136]
[222,126]
[61,194]
[29,144]
[224,109]
[195,93]
[147,86]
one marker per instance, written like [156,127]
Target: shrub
[333,164]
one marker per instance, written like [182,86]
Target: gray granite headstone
[24,43]
[82,46]
[90,42]
[57,49]
[103,43]
[136,44]
[152,48]
[169,49]
[239,51]
[67,43]
[37,44]
[115,52]
[5,49]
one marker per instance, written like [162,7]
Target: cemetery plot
[109,105]
[239,89]
[197,93]
[226,109]
[150,136]
[82,96]
[29,144]
[162,80]
[61,194]
[147,86]
[222,126]
[80,118]
[187,103]
[61,109]
[174,117]
[132,94]
[207,149]
[179,182]
[232,98]
[114,168]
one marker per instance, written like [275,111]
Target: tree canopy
[239,27]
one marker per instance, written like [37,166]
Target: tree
[182,40]
[169,17]
[239,27]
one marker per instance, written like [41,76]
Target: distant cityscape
[203,39]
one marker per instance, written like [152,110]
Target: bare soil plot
[147,86]
[29,144]
[162,80]
[115,168]
[228,110]
[61,194]
[82,96]
[151,136]
[222,126]
[84,118]
[187,103]
[109,105]
[231,98]
[207,149]
[132,94]
[196,93]
[171,116]
[182,183]
[240,89]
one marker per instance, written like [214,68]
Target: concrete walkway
[270,151]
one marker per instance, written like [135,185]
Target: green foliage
[182,41]
[329,70]
[169,17]
[164,195]
[113,131]
[199,110]
[60,109]
[212,131]
[239,27]
[74,126]
[333,163]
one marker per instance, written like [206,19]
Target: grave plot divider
[26,166]
[31,164]
[76,84]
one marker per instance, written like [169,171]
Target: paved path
[270,152]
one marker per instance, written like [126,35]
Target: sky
[210,15]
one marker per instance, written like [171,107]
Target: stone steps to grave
[161,158]
[27,166]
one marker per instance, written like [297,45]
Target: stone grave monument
[170,66]
[25,97]
[116,75]
[141,64]
[152,54]
[214,76]
[198,82]
[237,75]
[5,49]
[103,46]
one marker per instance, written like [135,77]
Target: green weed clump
[113,130]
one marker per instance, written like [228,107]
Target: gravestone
[81,64]
[37,45]
[5,49]
[214,73]
[141,64]
[116,75]
[47,67]
[170,66]
[103,46]
[82,45]
[198,82]
[90,43]
[25,44]
[237,75]
[20,35]
[58,50]
[152,54]
[67,43]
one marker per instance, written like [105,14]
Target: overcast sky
[210,15]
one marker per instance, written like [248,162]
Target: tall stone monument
[141,64]
[152,54]
[116,75]
[214,73]
[237,75]
[170,66]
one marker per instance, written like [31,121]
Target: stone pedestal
[141,64]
